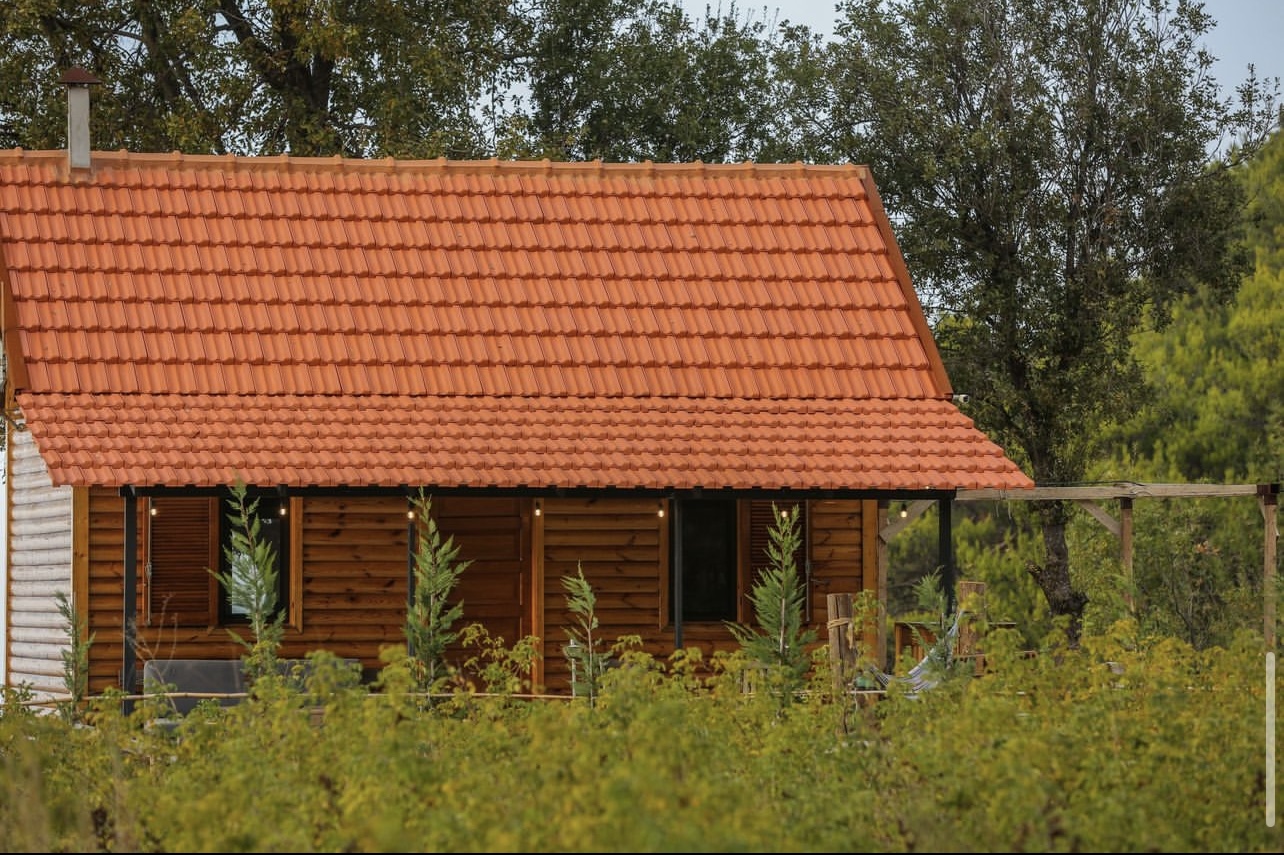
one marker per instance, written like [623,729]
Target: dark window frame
[274,526]
[208,553]
[744,537]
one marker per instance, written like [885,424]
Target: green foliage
[258,77]
[934,612]
[779,643]
[994,543]
[616,79]
[502,670]
[638,80]
[251,583]
[1108,748]
[432,615]
[75,659]
[583,649]
[1215,410]
[1197,569]
[1049,163]
[1213,414]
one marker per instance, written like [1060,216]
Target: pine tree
[250,581]
[779,643]
[436,573]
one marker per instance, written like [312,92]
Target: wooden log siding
[494,535]
[620,545]
[353,561]
[623,546]
[352,555]
[837,553]
[40,543]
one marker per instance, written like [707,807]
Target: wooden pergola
[1090,497]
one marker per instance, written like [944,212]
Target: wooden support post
[842,656]
[412,546]
[129,617]
[880,646]
[1125,550]
[945,552]
[537,588]
[1268,498]
[678,569]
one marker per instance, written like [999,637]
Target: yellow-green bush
[1125,744]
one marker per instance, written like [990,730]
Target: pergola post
[1268,500]
[1125,549]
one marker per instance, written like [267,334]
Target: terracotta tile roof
[537,441]
[324,321]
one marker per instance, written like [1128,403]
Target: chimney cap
[77,76]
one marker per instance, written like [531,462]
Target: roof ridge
[123,158]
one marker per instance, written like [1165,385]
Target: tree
[632,80]
[432,616]
[779,643]
[1218,396]
[362,78]
[250,581]
[1048,165]
[566,79]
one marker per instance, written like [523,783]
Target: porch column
[411,545]
[945,554]
[129,625]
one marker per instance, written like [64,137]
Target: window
[710,564]
[186,537]
[270,510]
[724,544]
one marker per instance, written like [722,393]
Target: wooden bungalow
[619,367]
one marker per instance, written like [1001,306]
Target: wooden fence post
[842,658]
[1267,501]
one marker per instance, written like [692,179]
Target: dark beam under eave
[780,495]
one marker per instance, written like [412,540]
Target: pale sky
[1247,30]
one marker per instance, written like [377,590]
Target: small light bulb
[904,512]
[410,515]
[660,512]
[152,510]
[539,512]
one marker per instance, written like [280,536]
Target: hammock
[930,669]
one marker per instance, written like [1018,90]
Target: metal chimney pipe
[78,81]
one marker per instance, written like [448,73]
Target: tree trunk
[1054,576]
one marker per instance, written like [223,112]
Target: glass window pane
[709,566]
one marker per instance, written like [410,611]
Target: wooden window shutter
[182,546]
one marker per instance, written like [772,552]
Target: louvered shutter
[182,547]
